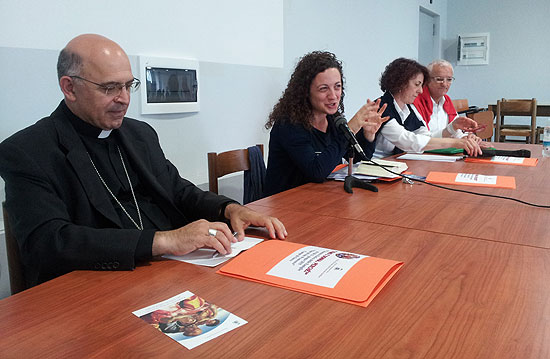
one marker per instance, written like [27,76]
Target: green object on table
[446,151]
[451,150]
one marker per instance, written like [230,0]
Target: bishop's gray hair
[68,64]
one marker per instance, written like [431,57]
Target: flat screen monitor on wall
[169,85]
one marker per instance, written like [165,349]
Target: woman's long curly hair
[294,105]
[397,74]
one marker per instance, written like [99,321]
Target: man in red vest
[436,107]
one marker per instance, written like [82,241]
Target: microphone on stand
[349,182]
[507,153]
[342,124]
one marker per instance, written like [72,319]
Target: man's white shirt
[439,120]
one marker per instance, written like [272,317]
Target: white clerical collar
[104,134]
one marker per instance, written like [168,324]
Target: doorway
[428,36]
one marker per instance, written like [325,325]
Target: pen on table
[216,254]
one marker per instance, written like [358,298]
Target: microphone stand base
[350,182]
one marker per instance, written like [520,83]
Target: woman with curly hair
[304,144]
[402,82]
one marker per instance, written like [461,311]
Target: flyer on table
[316,265]
[189,319]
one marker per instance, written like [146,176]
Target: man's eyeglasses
[441,80]
[114,88]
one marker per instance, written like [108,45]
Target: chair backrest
[479,115]
[15,267]
[461,105]
[223,163]
[517,107]
[484,118]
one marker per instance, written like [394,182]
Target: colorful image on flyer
[190,317]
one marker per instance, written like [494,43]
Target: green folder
[446,151]
[450,150]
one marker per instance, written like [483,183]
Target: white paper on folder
[316,265]
[475,178]
[506,159]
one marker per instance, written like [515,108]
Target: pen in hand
[475,130]
[216,253]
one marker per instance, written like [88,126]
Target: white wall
[246,48]
[364,35]
[239,67]
[238,31]
[519,50]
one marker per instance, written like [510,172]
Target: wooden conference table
[484,295]
[420,206]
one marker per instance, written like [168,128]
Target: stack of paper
[340,174]
[373,169]
[435,158]
[210,257]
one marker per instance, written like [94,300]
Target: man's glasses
[114,88]
[441,80]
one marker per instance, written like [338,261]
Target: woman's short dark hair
[397,74]
[294,105]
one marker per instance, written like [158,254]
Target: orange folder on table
[529,162]
[359,285]
[339,167]
[450,178]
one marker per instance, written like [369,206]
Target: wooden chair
[15,267]
[221,164]
[506,108]
[461,105]
[480,115]
[484,118]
